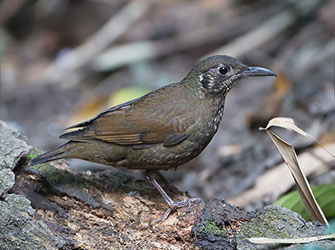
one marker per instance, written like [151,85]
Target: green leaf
[324,195]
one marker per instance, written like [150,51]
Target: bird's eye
[223,70]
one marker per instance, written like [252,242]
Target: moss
[53,175]
[213,228]
[64,181]
[255,228]
[32,154]
[210,227]
[61,179]
[268,224]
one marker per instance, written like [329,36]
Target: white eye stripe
[215,82]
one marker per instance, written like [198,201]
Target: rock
[12,146]
[223,226]
[218,224]
[276,222]
[7,180]
[19,229]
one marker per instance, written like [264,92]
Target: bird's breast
[208,122]
[198,137]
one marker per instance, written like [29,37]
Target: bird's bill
[257,71]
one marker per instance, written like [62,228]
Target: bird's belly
[161,157]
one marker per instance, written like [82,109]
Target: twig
[267,31]
[262,240]
[116,26]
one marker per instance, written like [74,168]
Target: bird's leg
[151,176]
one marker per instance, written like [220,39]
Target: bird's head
[218,74]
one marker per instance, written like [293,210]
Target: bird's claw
[174,205]
[183,203]
[163,218]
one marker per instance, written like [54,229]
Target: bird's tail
[56,154]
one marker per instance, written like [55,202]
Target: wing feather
[139,122]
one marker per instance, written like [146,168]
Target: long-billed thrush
[162,129]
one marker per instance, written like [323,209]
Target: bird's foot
[183,203]
[173,205]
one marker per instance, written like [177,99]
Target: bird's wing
[139,123]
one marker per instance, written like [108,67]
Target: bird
[162,129]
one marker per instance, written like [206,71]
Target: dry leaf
[288,123]
[290,157]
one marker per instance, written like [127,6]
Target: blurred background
[64,61]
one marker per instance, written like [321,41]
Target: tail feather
[50,156]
